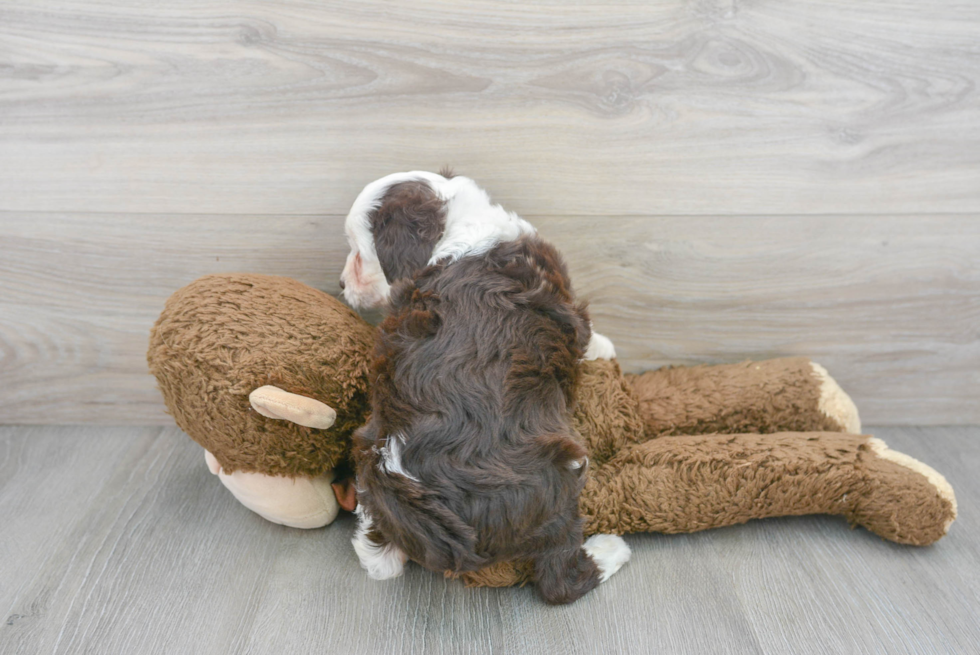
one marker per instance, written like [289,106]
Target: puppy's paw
[380,562]
[608,551]
[600,347]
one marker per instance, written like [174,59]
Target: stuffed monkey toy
[271,377]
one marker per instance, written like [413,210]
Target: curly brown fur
[475,371]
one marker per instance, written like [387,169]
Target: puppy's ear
[406,228]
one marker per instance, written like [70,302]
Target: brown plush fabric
[898,504]
[501,574]
[699,482]
[614,410]
[692,483]
[226,335]
[607,413]
[223,336]
[767,396]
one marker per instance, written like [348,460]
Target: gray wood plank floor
[118,540]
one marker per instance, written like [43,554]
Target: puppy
[469,456]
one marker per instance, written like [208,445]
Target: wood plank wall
[727,179]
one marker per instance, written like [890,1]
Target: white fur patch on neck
[474,224]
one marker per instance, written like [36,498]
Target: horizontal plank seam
[527,216]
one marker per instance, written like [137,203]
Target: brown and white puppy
[469,456]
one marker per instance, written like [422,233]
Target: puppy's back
[470,451]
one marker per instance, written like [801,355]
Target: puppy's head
[392,229]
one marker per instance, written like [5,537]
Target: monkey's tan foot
[834,403]
[902,499]
[299,502]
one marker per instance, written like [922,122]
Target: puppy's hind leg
[609,552]
[382,560]
[565,574]
[600,347]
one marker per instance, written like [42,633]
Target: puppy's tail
[417,521]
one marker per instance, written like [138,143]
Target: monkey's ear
[275,403]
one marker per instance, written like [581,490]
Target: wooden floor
[118,540]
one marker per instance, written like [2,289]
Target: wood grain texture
[79,294]
[889,305]
[827,154]
[118,540]
[678,107]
